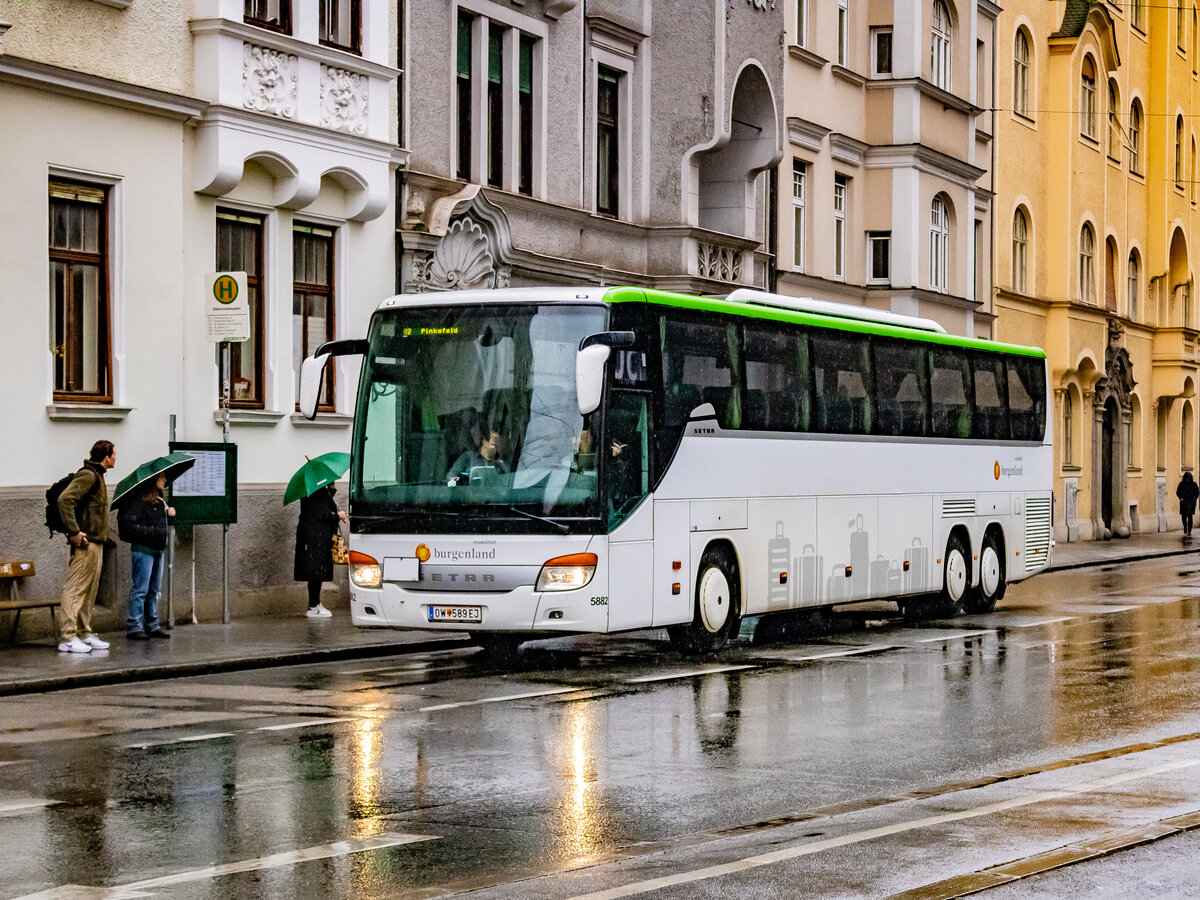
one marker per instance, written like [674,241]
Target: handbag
[341,549]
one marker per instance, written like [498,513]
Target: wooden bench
[13,572]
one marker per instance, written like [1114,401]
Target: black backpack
[53,518]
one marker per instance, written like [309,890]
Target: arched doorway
[1108,429]
[1112,405]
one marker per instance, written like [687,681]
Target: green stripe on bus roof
[796,317]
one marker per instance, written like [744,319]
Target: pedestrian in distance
[143,523]
[83,507]
[1187,492]
[319,518]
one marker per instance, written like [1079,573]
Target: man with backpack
[83,508]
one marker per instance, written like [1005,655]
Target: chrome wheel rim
[714,600]
[956,574]
[989,571]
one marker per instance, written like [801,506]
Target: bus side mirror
[589,377]
[312,370]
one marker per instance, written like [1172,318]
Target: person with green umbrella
[319,518]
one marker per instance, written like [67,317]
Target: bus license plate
[456,614]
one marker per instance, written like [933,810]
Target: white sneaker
[319,612]
[93,641]
[74,645]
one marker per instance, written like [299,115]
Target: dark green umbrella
[316,473]
[172,465]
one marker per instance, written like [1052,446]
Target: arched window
[1133,287]
[939,50]
[1134,435]
[1192,181]
[939,246]
[1087,98]
[1068,427]
[1114,122]
[1021,73]
[1135,138]
[1020,250]
[1110,274]
[1185,437]
[1179,152]
[1087,265]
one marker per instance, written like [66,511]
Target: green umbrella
[172,465]
[316,473]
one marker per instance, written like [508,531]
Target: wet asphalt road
[860,757]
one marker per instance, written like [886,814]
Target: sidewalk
[280,641]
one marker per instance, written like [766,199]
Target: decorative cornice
[341,59]
[26,72]
[807,56]
[618,38]
[806,134]
[924,159]
[928,89]
[847,149]
[988,8]
[556,9]
[314,135]
[848,75]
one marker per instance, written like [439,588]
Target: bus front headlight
[567,573]
[365,571]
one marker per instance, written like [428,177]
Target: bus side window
[1027,398]
[775,385]
[697,368]
[900,407]
[841,379]
[991,415]
[949,393]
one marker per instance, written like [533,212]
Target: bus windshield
[469,414]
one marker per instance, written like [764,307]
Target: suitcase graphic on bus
[806,569]
[895,581]
[916,579]
[880,574]
[779,549]
[860,559]
[837,587]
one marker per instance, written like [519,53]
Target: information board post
[206,494]
[225,384]
[171,550]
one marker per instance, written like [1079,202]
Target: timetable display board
[206,494]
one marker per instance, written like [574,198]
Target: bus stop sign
[227,307]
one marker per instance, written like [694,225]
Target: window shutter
[495,55]
[526,75]
[464,46]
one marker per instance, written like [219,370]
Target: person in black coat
[319,517]
[1187,492]
[143,523]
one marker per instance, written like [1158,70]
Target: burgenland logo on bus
[424,554]
[1014,471]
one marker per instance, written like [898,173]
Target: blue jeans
[143,593]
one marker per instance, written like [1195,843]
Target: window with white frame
[1133,284]
[939,245]
[840,189]
[1087,98]
[1021,73]
[881,51]
[275,15]
[79,291]
[1020,250]
[1114,122]
[1068,424]
[879,257]
[240,249]
[312,301]
[802,23]
[799,202]
[843,33]
[1135,138]
[340,24]
[1087,265]
[941,35]
[487,151]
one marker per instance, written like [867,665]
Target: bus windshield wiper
[559,525]
[375,524]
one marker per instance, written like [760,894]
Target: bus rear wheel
[982,599]
[717,609]
[956,576]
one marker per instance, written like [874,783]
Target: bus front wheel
[717,609]
[982,599]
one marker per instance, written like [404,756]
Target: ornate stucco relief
[762,4]
[269,81]
[721,263]
[343,100]
[462,261]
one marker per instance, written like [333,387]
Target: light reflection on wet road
[620,760]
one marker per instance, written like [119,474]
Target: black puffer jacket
[143,521]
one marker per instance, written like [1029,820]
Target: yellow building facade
[1096,204]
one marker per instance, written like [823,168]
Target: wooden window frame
[799,215]
[100,260]
[608,80]
[329,292]
[355,8]
[254,282]
[283,26]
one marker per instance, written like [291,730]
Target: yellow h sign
[225,289]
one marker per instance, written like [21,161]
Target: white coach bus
[533,462]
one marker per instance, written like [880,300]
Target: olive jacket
[90,516]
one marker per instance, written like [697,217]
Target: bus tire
[982,599]
[717,608]
[956,576]
[498,647]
